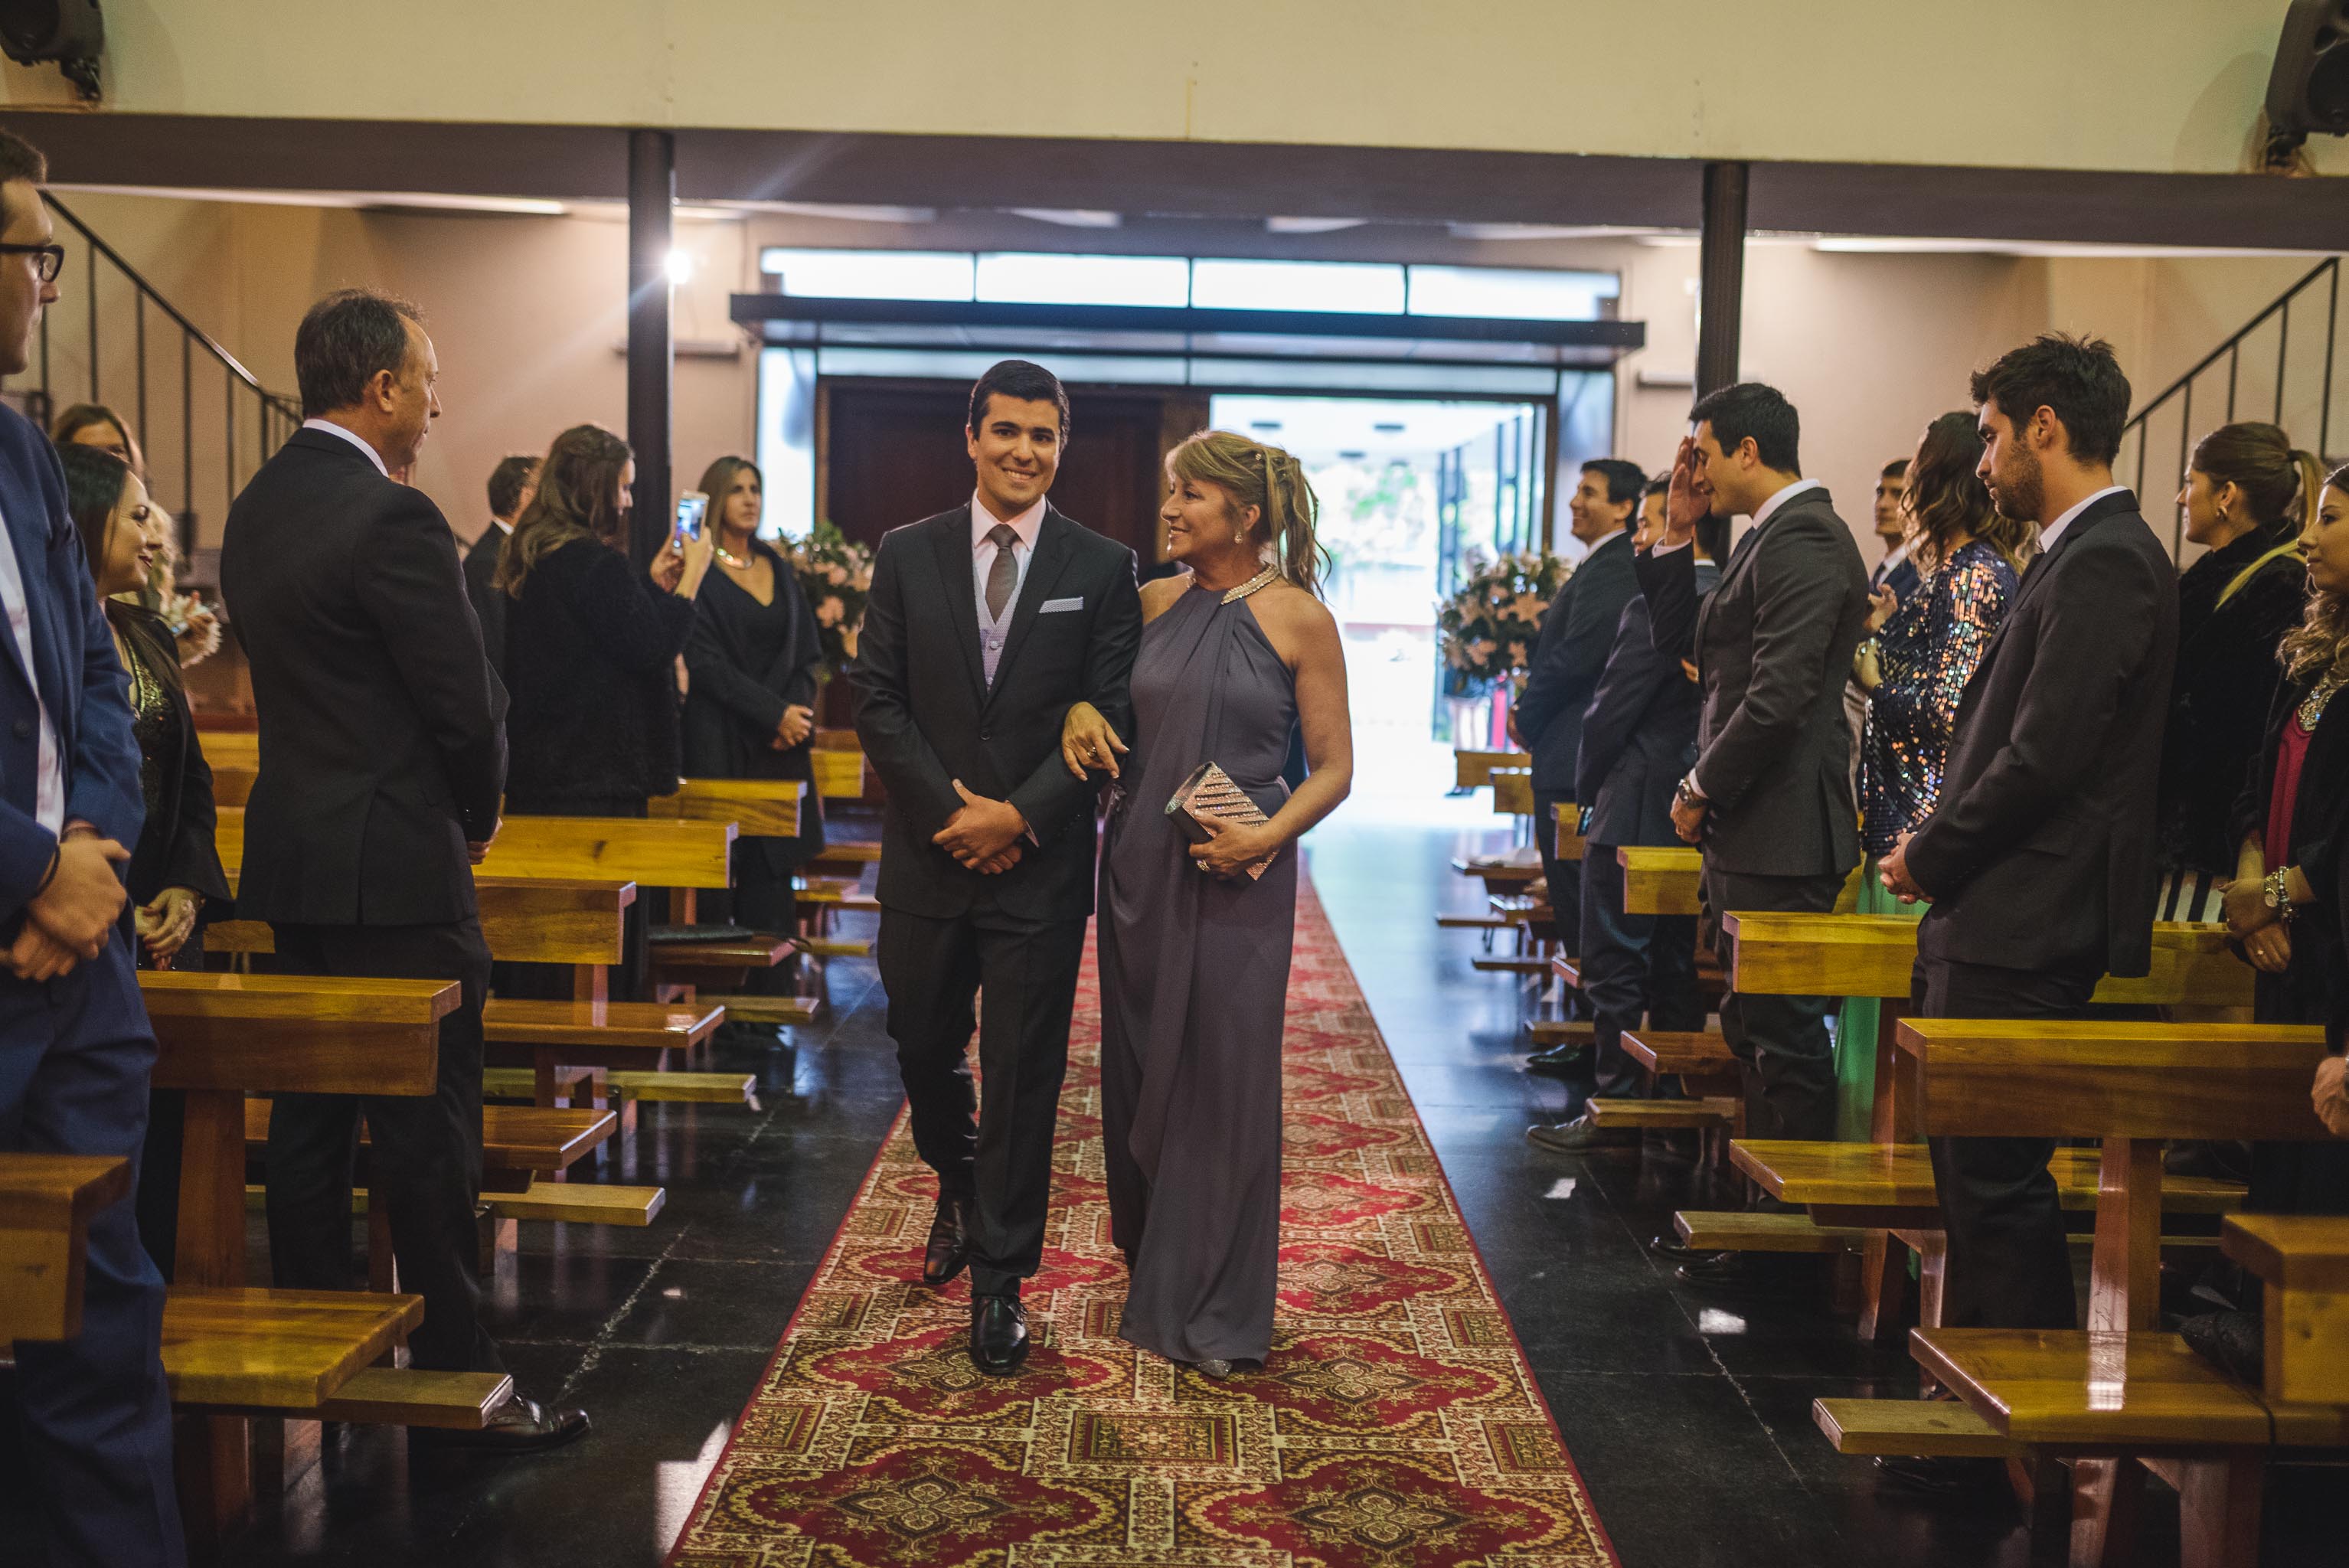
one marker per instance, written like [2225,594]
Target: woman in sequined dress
[174,868]
[1915,666]
[1925,651]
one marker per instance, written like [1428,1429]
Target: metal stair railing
[2290,400]
[216,442]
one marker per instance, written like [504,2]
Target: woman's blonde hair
[578,498]
[2318,648]
[1269,479]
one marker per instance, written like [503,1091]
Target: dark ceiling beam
[1192,178]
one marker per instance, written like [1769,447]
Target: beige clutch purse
[1210,793]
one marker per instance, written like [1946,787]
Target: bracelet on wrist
[56,859]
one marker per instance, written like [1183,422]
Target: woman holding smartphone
[592,646]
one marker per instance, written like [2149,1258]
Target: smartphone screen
[691,508]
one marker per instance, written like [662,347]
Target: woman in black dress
[750,709]
[174,868]
[2247,496]
[592,651]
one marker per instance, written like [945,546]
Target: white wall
[2142,85]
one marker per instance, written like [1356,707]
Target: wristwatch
[2276,893]
[1687,795]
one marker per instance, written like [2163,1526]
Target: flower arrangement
[1489,626]
[837,576]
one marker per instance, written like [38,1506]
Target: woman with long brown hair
[1194,936]
[2248,495]
[175,869]
[755,660]
[1914,666]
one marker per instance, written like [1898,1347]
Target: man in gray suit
[1569,658]
[1770,796]
[1639,737]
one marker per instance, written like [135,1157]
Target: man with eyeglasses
[75,1047]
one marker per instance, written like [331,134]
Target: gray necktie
[1004,575]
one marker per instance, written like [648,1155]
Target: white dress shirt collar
[2055,531]
[1026,525]
[1769,509]
[354,438]
[501,524]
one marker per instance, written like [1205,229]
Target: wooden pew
[838,763]
[217,1036]
[1660,881]
[1473,770]
[758,807]
[1513,791]
[2304,1261]
[2118,1388]
[46,1201]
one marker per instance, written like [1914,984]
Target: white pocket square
[1052,607]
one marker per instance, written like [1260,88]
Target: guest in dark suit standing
[1638,739]
[1568,655]
[1895,570]
[984,626]
[2038,856]
[1770,796]
[512,484]
[76,1049]
[174,871]
[382,755]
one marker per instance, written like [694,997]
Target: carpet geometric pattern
[1396,1424]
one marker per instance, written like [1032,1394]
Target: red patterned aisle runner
[1396,1426]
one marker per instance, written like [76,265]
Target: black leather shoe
[515,1426]
[999,1334]
[1580,1136]
[1559,1060]
[1665,1250]
[2233,1342]
[949,1247]
[1950,1478]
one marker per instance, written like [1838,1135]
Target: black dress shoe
[949,1247]
[514,1426]
[1559,1060]
[1665,1250]
[999,1334]
[2233,1342]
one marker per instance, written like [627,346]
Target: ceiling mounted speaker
[2308,91]
[67,34]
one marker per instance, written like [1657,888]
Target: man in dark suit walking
[512,484]
[1770,796]
[984,626]
[382,757]
[1568,655]
[2039,857]
[1638,739]
[76,1050]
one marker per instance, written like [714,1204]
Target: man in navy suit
[75,1047]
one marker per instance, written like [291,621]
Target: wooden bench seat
[1476,923]
[1846,1177]
[514,1138]
[1499,878]
[581,1203]
[836,947]
[1756,1230]
[2114,1390]
[761,949]
[1510,964]
[47,1203]
[755,1009]
[1919,1428]
[657,1087]
[622,1025]
[1473,770]
[283,1350]
[758,807]
[1697,1053]
[850,852]
[2304,1261]
[839,772]
[413,1396]
[1546,1033]
[1643,1115]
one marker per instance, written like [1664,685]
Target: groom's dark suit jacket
[2040,852]
[926,715]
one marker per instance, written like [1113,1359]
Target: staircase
[204,421]
[2280,366]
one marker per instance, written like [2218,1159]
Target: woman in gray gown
[1238,651]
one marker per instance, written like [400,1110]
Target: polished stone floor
[1688,1414]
